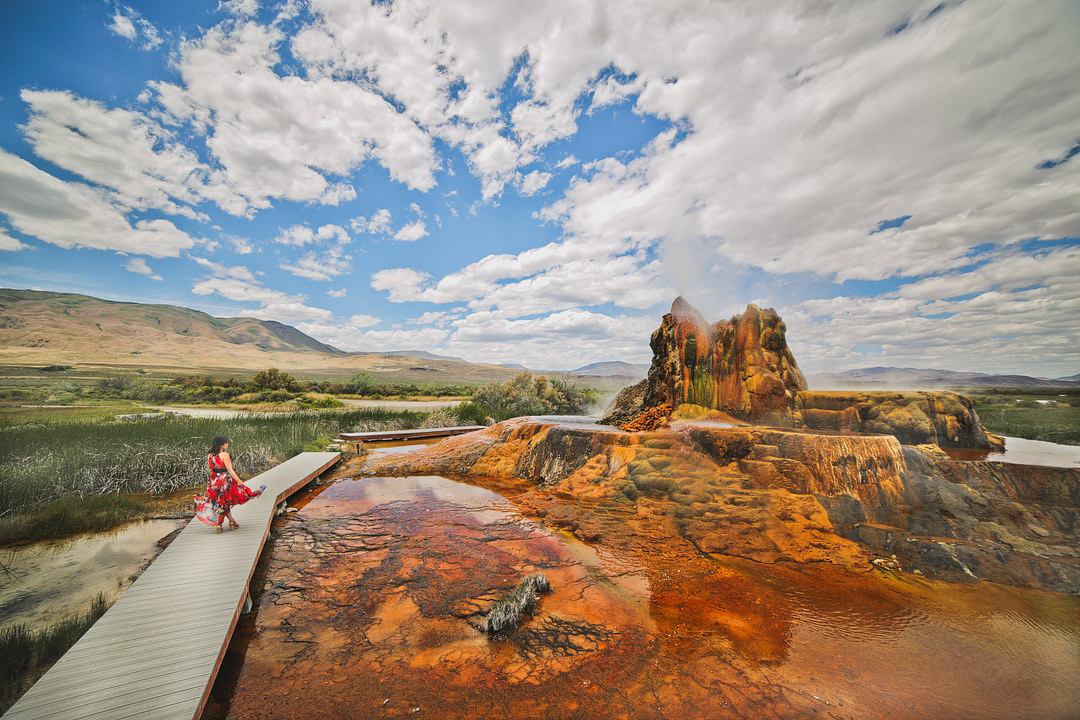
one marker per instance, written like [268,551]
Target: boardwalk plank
[157,650]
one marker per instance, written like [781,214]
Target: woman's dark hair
[215,447]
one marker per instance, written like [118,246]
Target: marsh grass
[1049,415]
[43,463]
[25,654]
[507,613]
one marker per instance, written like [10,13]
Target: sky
[535,183]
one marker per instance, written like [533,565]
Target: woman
[224,490]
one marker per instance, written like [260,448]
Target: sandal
[233,525]
[217,529]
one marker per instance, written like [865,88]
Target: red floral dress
[222,493]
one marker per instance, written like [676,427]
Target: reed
[42,463]
[25,654]
[507,613]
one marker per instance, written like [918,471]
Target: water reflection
[43,582]
[372,601]
[1023,452]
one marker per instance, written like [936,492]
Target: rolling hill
[919,378]
[48,328]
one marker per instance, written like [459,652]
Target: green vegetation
[25,654]
[73,515]
[49,462]
[525,395]
[508,612]
[124,392]
[1049,414]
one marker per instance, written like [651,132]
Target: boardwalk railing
[157,650]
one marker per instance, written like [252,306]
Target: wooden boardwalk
[157,650]
[378,435]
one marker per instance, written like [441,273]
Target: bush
[525,396]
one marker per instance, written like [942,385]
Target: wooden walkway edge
[378,435]
[157,650]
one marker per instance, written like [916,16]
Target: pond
[371,602]
[45,581]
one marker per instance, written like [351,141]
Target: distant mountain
[64,322]
[419,354]
[613,368]
[48,328]
[514,366]
[908,378]
[1072,378]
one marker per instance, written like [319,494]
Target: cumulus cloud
[125,152]
[283,137]
[140,267]
[411,232]
[326,264]
[300,235]
[534,182]
[339,293]
[352,337]
[130,25]
[239,284]
[11,244]
[240,245]
[1015,312]
[377,224]
[70,214]
[239,8]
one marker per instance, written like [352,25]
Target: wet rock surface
[775,494]
[372,601]
[944,419]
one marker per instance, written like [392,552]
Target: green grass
[1051,415]
[73,515]
[46,462]
[25,654]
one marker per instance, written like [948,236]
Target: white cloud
[239,284]
[534,182]
[439,317]
[411,232]
[123,26]
[340,293]
[567,162]
[379,224]
[139,266]
[300,235]
[240,245]
[1015,313]
[402,284]
[325,264]
[239,8]
[352,337]
[283,137]
[70,214]
[364,320]
[123,151]
[11,244]
[130,25]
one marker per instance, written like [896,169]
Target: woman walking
[225,489]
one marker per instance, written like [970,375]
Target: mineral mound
[741,367]
[744,369]
[820,477]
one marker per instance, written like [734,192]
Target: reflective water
[1024,452]
[372,598]
[45,581]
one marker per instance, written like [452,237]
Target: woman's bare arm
[228,466]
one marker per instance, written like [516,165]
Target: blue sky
[536,184]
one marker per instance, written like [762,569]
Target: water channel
[370,602]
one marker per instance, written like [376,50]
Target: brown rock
[742,367]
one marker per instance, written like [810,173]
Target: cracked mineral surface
[370,603]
